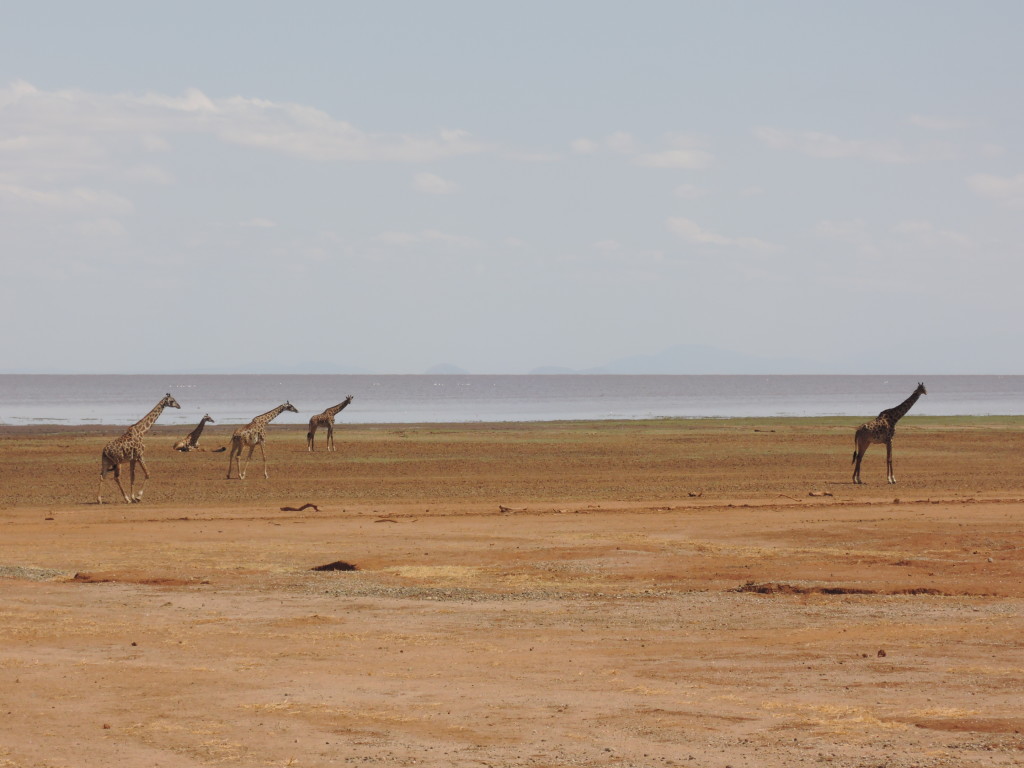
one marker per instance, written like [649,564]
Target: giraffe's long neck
[142,426]
[333,411]
[269,416]
[897,413]
[198,430]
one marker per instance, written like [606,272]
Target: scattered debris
[385,520]
[881,653]
[506,510]
[789,497]
[696,495]
[303,508]
[819,493]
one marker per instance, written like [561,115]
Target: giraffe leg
[236,452]
[858,455]
[104,468]
[263,453]
[888,462]
[330,437]
[102,479]
[117,479]
[241,473]
[145,476]
[309,436]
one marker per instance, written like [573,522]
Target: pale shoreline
[988,418]
[425,399]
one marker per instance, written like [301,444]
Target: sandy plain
[563,594]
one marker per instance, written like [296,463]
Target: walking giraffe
[252,434]
[325,419]
[881,430]
[128,447]
[191,441]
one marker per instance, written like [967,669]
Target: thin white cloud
[1008,190]
[926,233]
[621,142]
[690,231]
[831,147]
[684,152]
[288,128]
[432,184]
[606,245]
[686,159]
[154,143]
[259,223]
[79,199]
[851,232]
[584,146]
[148,174]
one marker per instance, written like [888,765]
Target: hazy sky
[501,186]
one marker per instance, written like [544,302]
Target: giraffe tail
[219,450]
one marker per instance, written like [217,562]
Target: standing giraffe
[128,447]
[191,442]
[325,419]
[881,430]
[252,434]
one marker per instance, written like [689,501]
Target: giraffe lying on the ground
[881,430]
[191,442]
[252,434]
[325,419]
[128,447]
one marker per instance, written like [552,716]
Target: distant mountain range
[696,359]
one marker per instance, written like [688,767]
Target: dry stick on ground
[304,507]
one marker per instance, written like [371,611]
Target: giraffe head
[169,402]
[207,418]
[289,407]
[920,389]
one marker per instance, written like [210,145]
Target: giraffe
[191,441]
[325,419]
[252,434]
[128,447]
[881,430]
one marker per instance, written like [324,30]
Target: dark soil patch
[337,565]
[776,588]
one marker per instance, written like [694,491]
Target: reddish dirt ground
[594,594]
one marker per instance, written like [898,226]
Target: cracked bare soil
[592,594]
